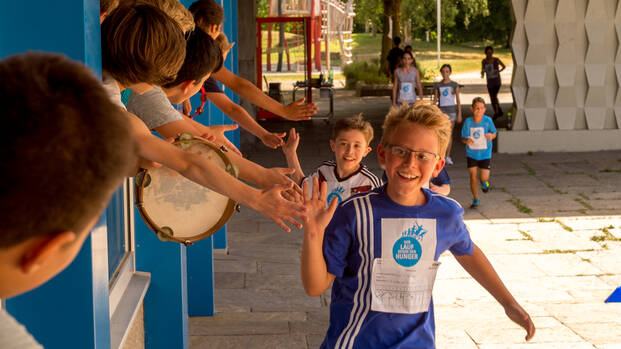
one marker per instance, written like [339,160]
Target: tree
[392,12]
[368,11]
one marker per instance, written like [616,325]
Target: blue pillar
[201,300]
[165,304]
[72,308]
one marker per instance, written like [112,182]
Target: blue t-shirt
[442,178]
[470,129]
[352,241]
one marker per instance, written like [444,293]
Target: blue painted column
[72,309]
[201,300]
[165,304]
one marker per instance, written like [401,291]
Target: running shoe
[485,186]
[475,203]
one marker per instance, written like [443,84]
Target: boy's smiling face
[478,109]
[407,173]
[349,147]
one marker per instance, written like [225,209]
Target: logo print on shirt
[445,92]
[336,192]
[476,134]
[407,250]
[406,88]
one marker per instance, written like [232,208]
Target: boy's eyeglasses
[200,110]
[421,156]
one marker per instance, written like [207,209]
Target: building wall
[567,72]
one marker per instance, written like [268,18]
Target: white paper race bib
[447,98]
[406,91]
[477,134]
[403,278]
[402,290]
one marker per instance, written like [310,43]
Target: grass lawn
[462,58]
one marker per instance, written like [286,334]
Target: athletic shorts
[484,164]
[452,116]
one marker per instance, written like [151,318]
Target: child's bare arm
[458,101]
[443,189]
[467,141]
[293,111]
[270,202]
[239,114]
[290,150]
[490,136]
[395,87]
[315,276]
[482,271]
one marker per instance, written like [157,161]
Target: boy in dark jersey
[380,249]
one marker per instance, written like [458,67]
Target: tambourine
[177,209]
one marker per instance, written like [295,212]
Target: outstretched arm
[458,101]
[290,149]
[419,85]
[315,275]
[395,87]
[270,202]
[482,271]
[294,111]
[239,114]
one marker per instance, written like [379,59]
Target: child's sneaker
[449,161]
[485,186]
[475,203]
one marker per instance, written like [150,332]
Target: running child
[345,175]
[446,96]
[477,133]
[405,78]
[392,236]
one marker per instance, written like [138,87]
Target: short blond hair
[223,43]
[353,123]
[175,10]
[428,116]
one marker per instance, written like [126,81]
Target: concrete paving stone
[559,345]
[314,340]
[538,293]
[608,346]
[512,183]
[245,341]
[583,313]
[453,339]
[564,264]
[450,290]
[229,264]
[587,296]
[607,261]
[280,268]
[264,300]
[225,280]
[574,180]
[267,252]
[560,239]
[513,267]
[592,222]
[273,282]
[584,289]
[542,203]
[495,334]
[316,322]
[244,323]
[502,209]
[613,281]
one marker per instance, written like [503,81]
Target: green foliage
[368,10]
[364,71]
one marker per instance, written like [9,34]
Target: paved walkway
[551,226]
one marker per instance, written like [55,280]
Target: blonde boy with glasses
[380,250]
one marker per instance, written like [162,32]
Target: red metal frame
[309,29]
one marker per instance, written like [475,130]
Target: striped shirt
[360,181]
[352,241]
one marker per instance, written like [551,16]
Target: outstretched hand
[291,145]
[317,214]
[274,206]
[217,131]
[297,110]
[518,315]
[273,139]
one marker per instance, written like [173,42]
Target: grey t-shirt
[14,335]
[153,108]
[446,96]
[112,89]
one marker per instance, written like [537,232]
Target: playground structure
[292,35]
